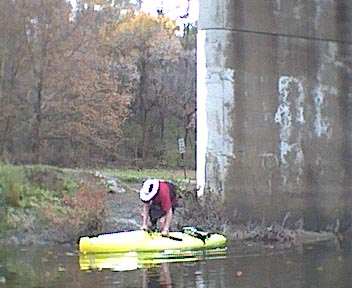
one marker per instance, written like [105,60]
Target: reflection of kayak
[125,261]
[142,241]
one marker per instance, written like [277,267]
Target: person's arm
[145,214]
[168,218]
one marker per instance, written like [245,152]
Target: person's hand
[165,232]
[144,227]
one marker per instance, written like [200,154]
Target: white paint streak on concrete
[220,143]
[321,122]
[291,125]
[332,56]
[322,92]
[266,112]
[283,116]
[318,15]
[299,102]
[277,9]
[297,11]
[278,3]
[215,102]
[202,130]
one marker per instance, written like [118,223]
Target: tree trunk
[6,88]
[37,130]
[144,109]
[4,136]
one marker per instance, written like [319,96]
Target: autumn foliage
[82,212]
[90,86]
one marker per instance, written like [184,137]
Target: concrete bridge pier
[274,100]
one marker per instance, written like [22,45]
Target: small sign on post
[182,150]
[181,146]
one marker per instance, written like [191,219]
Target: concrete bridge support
[275,108]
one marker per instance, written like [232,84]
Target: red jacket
[163,198]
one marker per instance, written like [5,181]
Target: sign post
[182,151]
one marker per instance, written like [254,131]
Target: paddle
[171,237]
[150,231]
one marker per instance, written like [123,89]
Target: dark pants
[156,212]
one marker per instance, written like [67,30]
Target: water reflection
[129,261]
[246,265]
[154,267]
[160,279]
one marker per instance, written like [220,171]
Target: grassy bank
[47,201]
[137,176]
[44,204]
[55,204]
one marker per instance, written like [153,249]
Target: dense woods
[101,84]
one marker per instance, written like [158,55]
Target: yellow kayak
[142,241]
[126,261]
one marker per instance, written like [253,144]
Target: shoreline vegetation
[51,205]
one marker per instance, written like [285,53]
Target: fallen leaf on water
[269,247]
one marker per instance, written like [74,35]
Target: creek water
[243,265]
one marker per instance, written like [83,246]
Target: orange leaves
[79,210]
[91,108]
[88,198]
[141,33]
[70,81]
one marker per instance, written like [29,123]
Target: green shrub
[11,179]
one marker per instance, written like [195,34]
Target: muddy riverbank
[122,211]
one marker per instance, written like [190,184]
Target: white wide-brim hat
[149,189]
